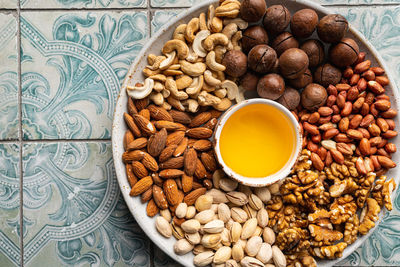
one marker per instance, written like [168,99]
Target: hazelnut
[344,53]
[302,81]
[271,86]
[253,36]
[293,63]
[276,19]
[303,23]
[332,28]
[235,62]
[290,98]
[249,81]
[327,74]
[315,51]
[262,58]
[252,10]
[283,42]
[313,96]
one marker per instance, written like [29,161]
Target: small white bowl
[270,179]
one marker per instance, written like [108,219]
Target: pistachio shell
[210,240]
[190,212]
[251,213]
[251,262]
[203,259]
[177,232]
[205,216]
[231,263]
[226,237]
[203,202]
[222,255]
[166,214]
[228,184]
[237,198]
[239,215]
[163,227]
[224,213]
[263,193]
[248,228]
[182,246]
[237,252]
[236,231]
[218,196]
[278,257]
[262,218]
[193,239]
[214,227]
[269,235]
[255,202]
[253,246]
[265,253]
[181,210]
[191,226]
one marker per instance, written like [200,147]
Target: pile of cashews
[189,74]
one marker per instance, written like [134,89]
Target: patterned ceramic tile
[72,67]
[8,77]
[163,260]
[355,2]
[8,4]
[173,3]
[9,205]
[161,17]
[48,4]
[73,212]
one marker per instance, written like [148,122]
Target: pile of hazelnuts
[281,68]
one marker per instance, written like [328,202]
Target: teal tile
[72,67]
[12,4]
[48,4]
[9,205]
[73,212]
[163,260]
[173,3]
[161,17]
[8,77]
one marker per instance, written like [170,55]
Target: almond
[151,209]
[131,107]
[390,148]
[200,171]
[179,116]
[199,133]
[141,103]
[337,156]
[137,144]
[200,119]
[171,191]
[215,113]
[134,155]
[168,125]
[191,198]
[139,169]
[157,143]
[128,138]
[181,147]
[159,113]
[364,147]
[386,162]
[187,183]
[172,163]
[209,162]
[132,125]
[167,153]
[190,161]
[211,123]
[170,173]
[144,124]
[145,113]
[132,179]
[146,195]
[159,197]
[317,162]
[202,145]
[344,148]
[141,186]
[175,138]
[149,162]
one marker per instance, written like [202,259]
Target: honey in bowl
[257,141]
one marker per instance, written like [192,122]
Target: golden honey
[257,140]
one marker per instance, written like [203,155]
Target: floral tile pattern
[172,3]
[73,214]
[83,58]
[48,4]
[9,205]
[8,77]
[161,17]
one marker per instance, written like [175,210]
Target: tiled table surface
[61,65]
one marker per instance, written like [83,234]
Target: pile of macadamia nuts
[280,63]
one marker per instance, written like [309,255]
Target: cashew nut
[168,61]
[156,63]
[210,15]
[191,105]
[210,79]
[219,53]
[157,98]
[175,103]
[192,57]
[170,85]
[215,39]
[172,72]
[140,92]
[228,8]
[158,78]
[184,82]
[242,24]
[235,40]
[220,75]
[230,29]
[151,58]
[165,93]
[166,105]
[148,72]
[216,24]
[202,22]
[192,27]
[195,86]
[223,105]
[221,93]
[231,88]
[207,99]
[192,69]
[181,48]
[208,88]
[179,33]
[212,64]
[174,67]
[240,97]
[197,43]
[158,87]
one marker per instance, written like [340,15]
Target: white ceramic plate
[154,46]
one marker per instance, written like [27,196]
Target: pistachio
[181,210]
[248,228]
[210,240]
[193,239]
[231,263]
[236,232]
[225,237]
[257,232]
[255,202]
[242,243]
[203,259]
[203,202]
[237,252]
[191,226]
[245,189]
[214,227]
[163,227]
[166,214]
[263,193]
[274,188]
[222,255]
[190,212]
[265,253]
[239,215]
[224,213]
[182,246]
[214,208]
[262,217]
[200,249]
[205,216]
[237,198]
[228,184]
[278,257]
[177,231]
[218,196]
[251,213]
[229,224]
[253,246]
[251,262]
[269,235]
